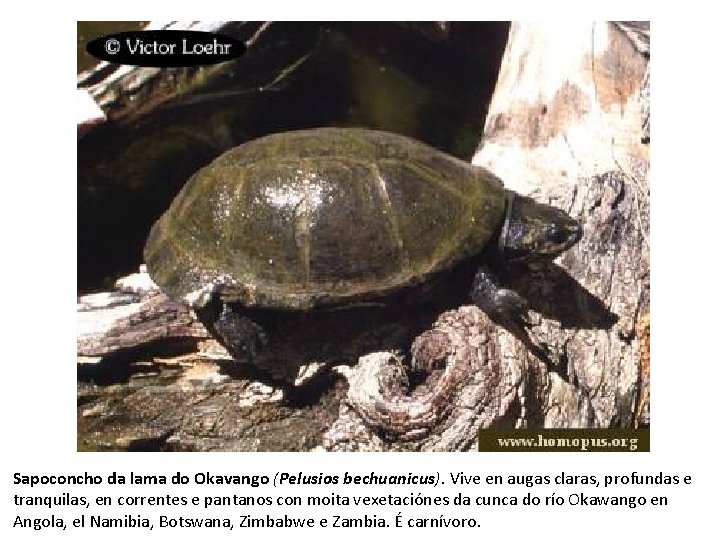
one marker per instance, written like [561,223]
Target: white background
[38,232]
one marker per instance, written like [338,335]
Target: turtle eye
[556,234]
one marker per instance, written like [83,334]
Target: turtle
[329,220]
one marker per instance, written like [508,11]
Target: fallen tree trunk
[136,314]
[568,124]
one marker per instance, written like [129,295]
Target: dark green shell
[321,217]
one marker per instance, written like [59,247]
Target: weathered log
[136,314]
[489,379]
[578,117]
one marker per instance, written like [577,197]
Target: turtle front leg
[499,303]
[242,337]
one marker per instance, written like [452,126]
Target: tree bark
[571,125]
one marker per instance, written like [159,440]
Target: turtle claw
[511,305]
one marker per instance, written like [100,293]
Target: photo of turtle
[364,236]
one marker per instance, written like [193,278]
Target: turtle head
[532,230]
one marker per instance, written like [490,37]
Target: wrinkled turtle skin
[331,217]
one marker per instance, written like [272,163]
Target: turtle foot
[240,335]
[498,302]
